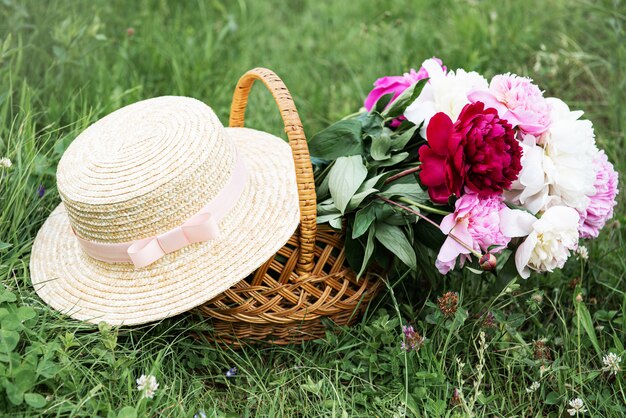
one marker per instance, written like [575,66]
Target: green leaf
[412,405]
[327,218]
[474,271]
[340,139]
[354,250]
[553,398]
[407,97]
[326,207]
[372,124]
[321,183]
[11,322]
[395,159]
[395,241]
[47,368]
[35,400]
[369,250]
[400,141]
[411,190]
[336,222]
[5,245]
[380,147]
[8,340]
[127,412]
[429,235]
[382,103]
[362,221]
[25,378]
[359,197]
[374,182]
[24,313]
[6,296]
[16,397]
[587,323]
[345,178]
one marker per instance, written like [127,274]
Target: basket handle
[299,151]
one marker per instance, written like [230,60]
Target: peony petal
[434,68]
[448,251]
[447,223]
[488,99]
[558,218]
[451,249]
[390,87]
[515,222]
[373,97]
[420,111]
[439,194]
[511,118]
[432,171]
[439,132]
[522,255]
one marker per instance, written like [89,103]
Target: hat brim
[263,220]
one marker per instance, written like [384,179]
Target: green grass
[65,64]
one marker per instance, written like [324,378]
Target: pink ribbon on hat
[201,227]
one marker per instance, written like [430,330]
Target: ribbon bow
[199,228]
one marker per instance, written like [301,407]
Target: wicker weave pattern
[307,280]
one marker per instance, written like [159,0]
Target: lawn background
[64,64]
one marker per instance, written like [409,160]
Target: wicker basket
[288,297]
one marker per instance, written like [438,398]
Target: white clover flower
[611,363]
[148,385]
[582,252]
[444,92]
[5,162]
[533,387]
[577,407]
[549,239]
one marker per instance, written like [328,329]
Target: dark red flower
[478,152]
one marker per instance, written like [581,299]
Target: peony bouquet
[447,166]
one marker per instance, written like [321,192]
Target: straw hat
[162,209]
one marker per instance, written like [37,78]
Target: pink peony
[395,84]
[601,204]
[476,222]
[517,100]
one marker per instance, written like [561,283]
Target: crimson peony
[478,152]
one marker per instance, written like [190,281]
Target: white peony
[571,147]
[559,171]
[444,92]
[549,239]
[531,188]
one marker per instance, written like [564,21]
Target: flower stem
[430,221]
[402,174]
[424,207]
[352,115]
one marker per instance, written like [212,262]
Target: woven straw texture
[141,171]
[308,280]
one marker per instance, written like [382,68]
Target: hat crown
[144,169]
